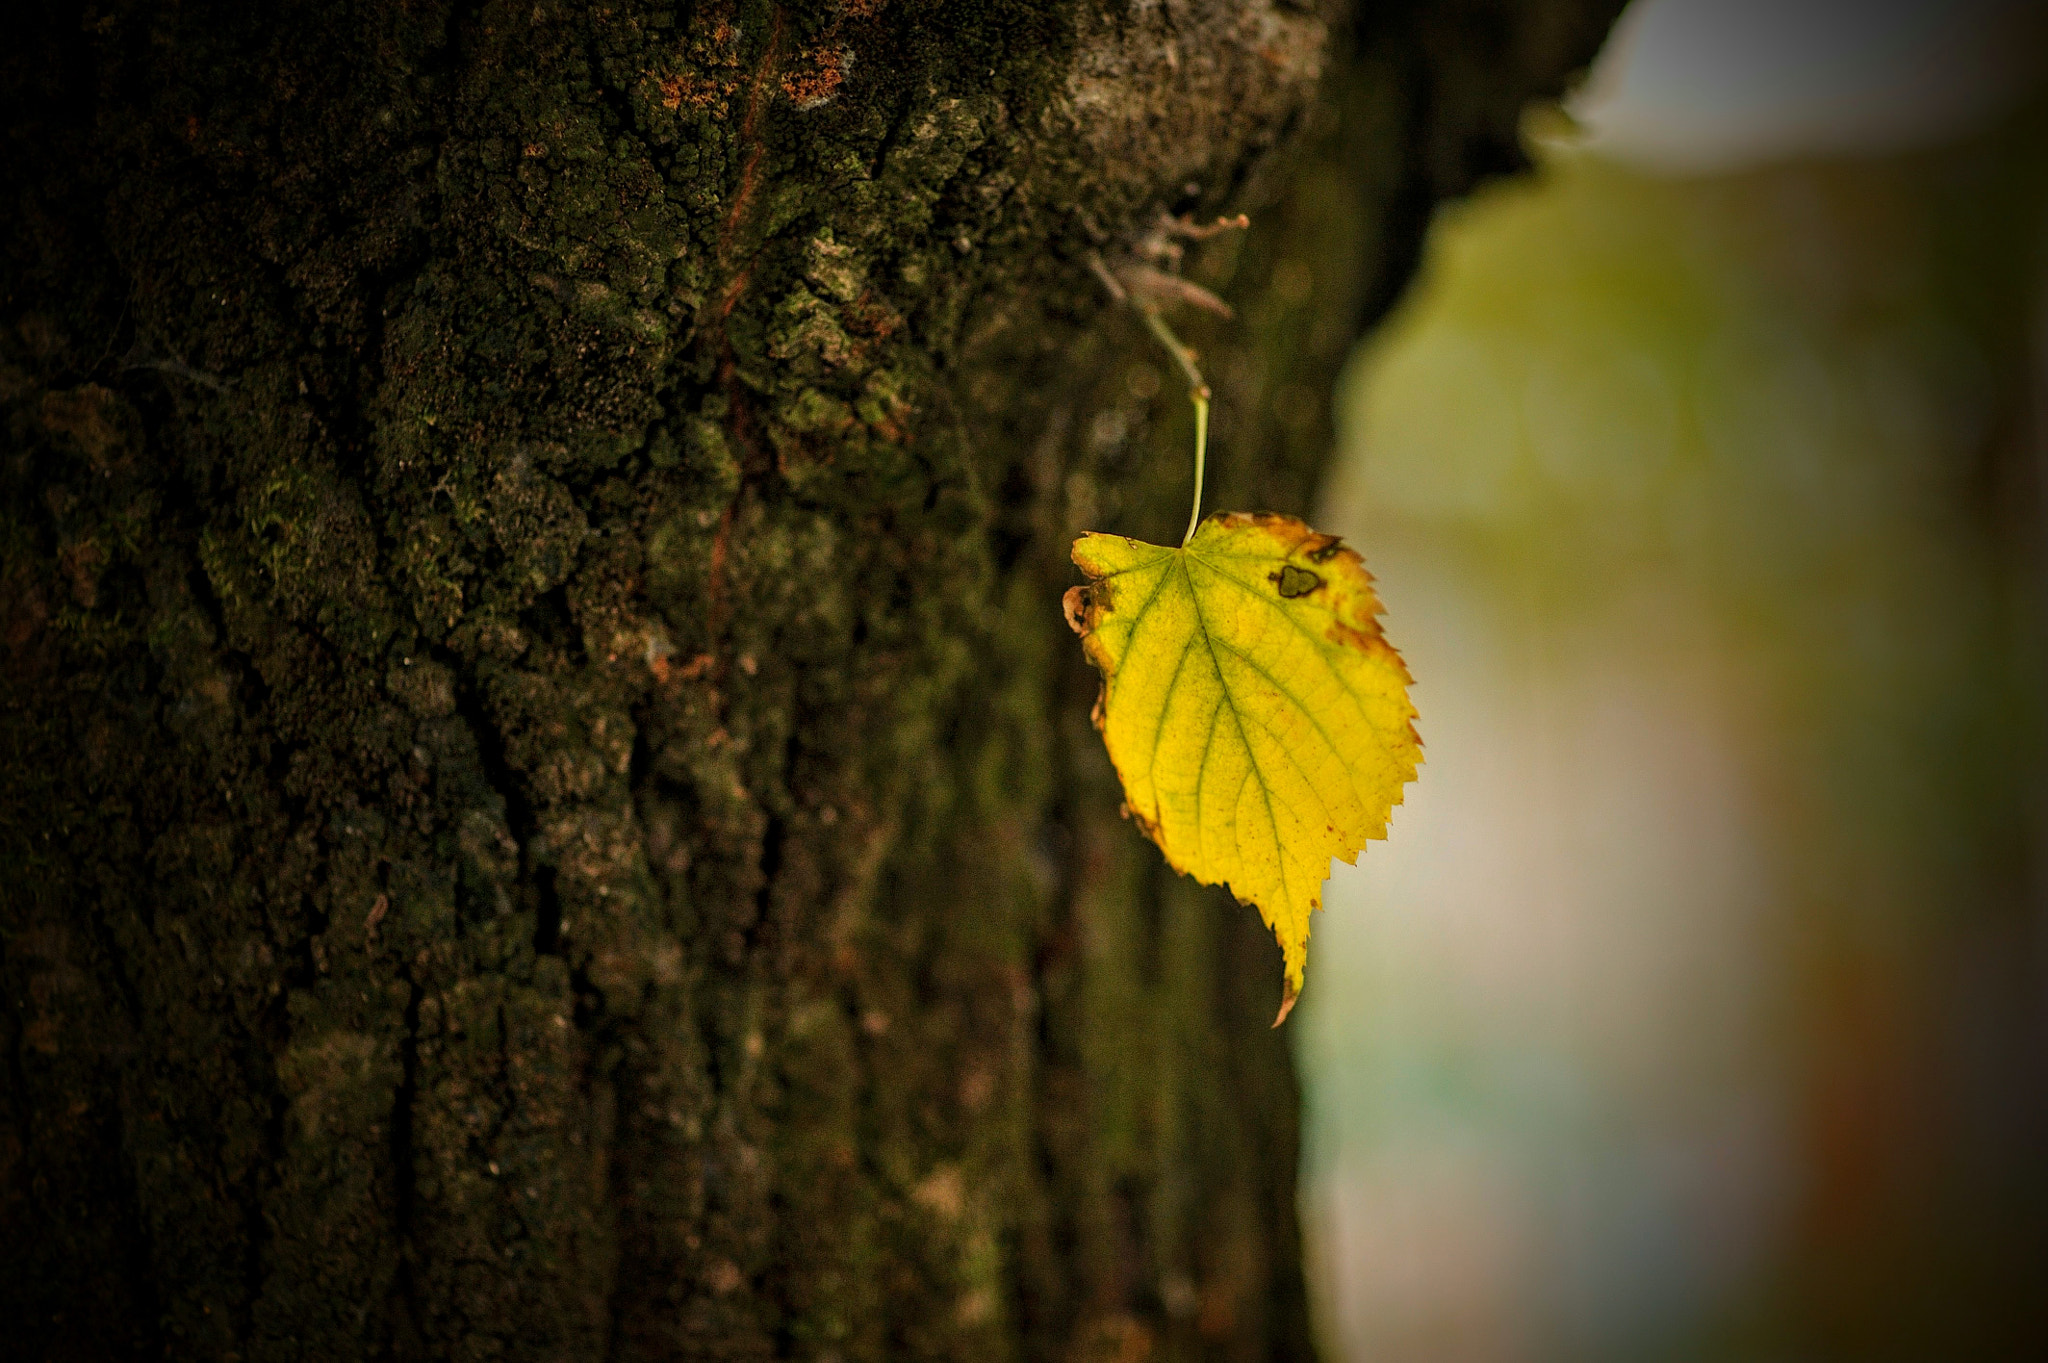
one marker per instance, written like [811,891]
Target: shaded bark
[549,810]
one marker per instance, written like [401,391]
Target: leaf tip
[1287,1000]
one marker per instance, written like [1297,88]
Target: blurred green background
[1697,1005]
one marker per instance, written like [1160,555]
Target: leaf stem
[1198,393]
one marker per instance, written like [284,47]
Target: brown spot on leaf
[1294,582]
[1150,827]
[1076,605]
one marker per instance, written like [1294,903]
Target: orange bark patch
[24,611]
[701,93]
[815,77]
[710,64]
[872,316]
[81,561]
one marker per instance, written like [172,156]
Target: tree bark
[549,810]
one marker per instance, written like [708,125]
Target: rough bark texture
[548,807]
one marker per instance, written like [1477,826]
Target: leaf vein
[1318,643]
[1350,775]
[1159,733]
[1202,774]
[1131,630]
[1251,757]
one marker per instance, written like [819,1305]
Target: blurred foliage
[1709,991]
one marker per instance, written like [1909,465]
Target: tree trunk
[549,810]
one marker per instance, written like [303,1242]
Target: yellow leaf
[1257,717]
